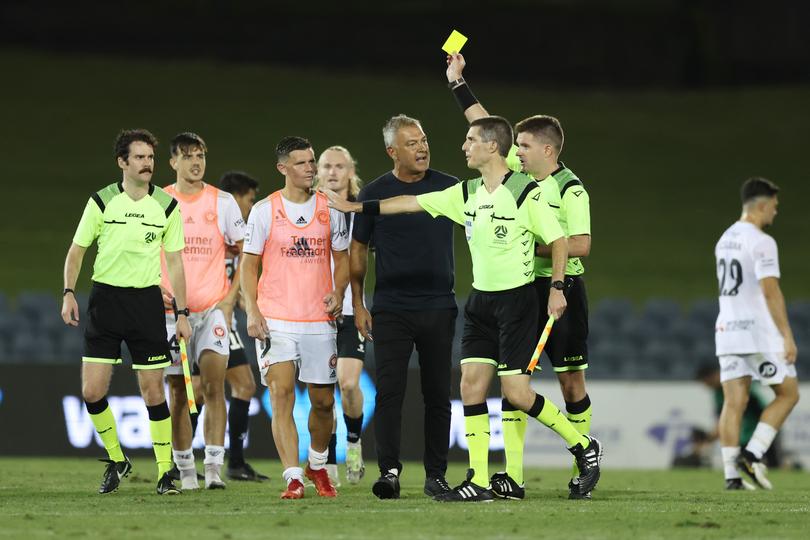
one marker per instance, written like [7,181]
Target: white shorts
[209,331]
[315,355]
[767,368]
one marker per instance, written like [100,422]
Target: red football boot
[295,490]
[322,483]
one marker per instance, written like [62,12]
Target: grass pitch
[55,498]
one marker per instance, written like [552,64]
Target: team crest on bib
[219,331]
[333,361]
[210,217]
[323,217]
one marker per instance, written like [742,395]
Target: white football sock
[761,440]
[730,454]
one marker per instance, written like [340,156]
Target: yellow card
[454,43]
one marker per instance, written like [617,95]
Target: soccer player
[414,304]
[131,220]
[292,310]
[337,171]
[502,212]
[244,189]
[752,336]
[211,222]
[539,144]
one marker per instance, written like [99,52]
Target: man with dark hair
[212,222]
[752,335]
[414,304]
[244,189]
[292,309]
[135,220]
[502,213]
[540,140]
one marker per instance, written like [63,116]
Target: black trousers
[395,335]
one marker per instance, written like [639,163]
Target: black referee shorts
[134,316]
[567,345]
[500,328]
[350,343]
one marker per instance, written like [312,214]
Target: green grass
[663,168]
[54,498]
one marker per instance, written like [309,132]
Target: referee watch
[559,285]
[178,312]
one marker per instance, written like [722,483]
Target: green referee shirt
[130,235]
[571,205]
[500,227]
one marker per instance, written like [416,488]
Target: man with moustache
[131,221]
[414,304]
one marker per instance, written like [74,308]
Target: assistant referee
[131,220]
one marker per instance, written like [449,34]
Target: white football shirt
[745,255]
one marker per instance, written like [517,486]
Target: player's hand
[257,325]
[556,303]
[168,298]
[455,66]
[362,321]
[226,308]
[333,303]
[183,328]
[791,351]
[70,310]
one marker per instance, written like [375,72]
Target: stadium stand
[661,340]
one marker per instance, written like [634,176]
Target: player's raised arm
[776,306]
[473,110]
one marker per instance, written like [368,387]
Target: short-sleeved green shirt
[570,202]
[500,227]
[130,235]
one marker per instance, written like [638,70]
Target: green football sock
[104,421]
[549,415]
[476,428]
[160,426]
[579,414]
[514,435]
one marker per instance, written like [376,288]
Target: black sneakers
[754,468]
[734,484]
[588,461]
[245,472]
[467,492]
[165,486]
[504,487]
[574,493]
[436,485]
[386,486]
[115,471]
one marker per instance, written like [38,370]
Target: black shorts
[238,355]
[134,316]
[500,328]
[350,343]
[567,345]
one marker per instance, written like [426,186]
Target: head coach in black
[414,304]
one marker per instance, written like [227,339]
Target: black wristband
[464,96]
[371,208]
[68,291]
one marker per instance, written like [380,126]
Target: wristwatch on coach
[559,285]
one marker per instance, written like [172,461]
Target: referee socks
[104,422]
[513,427]
[579,414]
[160,426]
[476,431]
[550,416]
